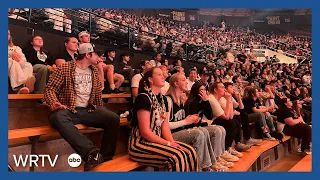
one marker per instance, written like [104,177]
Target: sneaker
[94,159]
[116,91]
[242,147]
[253,142]
[267,136]
[30,83]
[24,90]
[219,168]
[207,169]
[307,152]
[224,162]
[229,157]
[235,152]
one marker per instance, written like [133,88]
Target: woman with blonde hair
[184,127]
[151,142]
[20,71]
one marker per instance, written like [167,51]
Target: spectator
[118,78]
[157,60]
[151,129]
[294,124]
[193,74]
[258,113]
[144,66]
[224,117]
[306,79]
[179,123]
[165,73]
[124,68]
[81,103]
[197,103]
[69,53]
[19,70]
[205,75]
[42,62]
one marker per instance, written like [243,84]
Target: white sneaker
[224,162]
[219,168]
[235,152]
[229,157]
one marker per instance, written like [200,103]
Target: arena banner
[273,20]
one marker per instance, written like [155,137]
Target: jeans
[199,139]
[63,121]
[300,130]
[231,128]
[42,76]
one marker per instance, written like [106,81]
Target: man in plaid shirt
[73,94]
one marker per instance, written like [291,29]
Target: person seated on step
[103,69]
[205,140]
[42,62]
[123,66]
[73,94]
[223,115]
[69,52]
[258,113]
[109,57]
[20,71]
[144,65]
[241,117]
[151,142]
[294,123]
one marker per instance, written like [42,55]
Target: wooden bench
[43,130]
[304,165]
[40,96]
[120,164]
[253,154]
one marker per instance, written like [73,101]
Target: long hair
[249,91]
[144,82]
[172,89]
[10,43]
[194,93]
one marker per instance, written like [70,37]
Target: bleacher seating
[304,165]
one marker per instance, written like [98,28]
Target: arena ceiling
[249,12]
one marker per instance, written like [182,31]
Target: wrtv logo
[36,160]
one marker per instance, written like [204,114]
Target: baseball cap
[82,33]
[85,48]
[205,71]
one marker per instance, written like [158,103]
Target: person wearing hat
[105,70]
[84,37]
[124,68]
[73,95]
[204,77]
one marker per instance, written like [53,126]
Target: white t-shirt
[154,63]
[136,80]
[83,86]
[216,109]
[190,84]
[223,102]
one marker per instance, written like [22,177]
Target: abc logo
[74,160]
